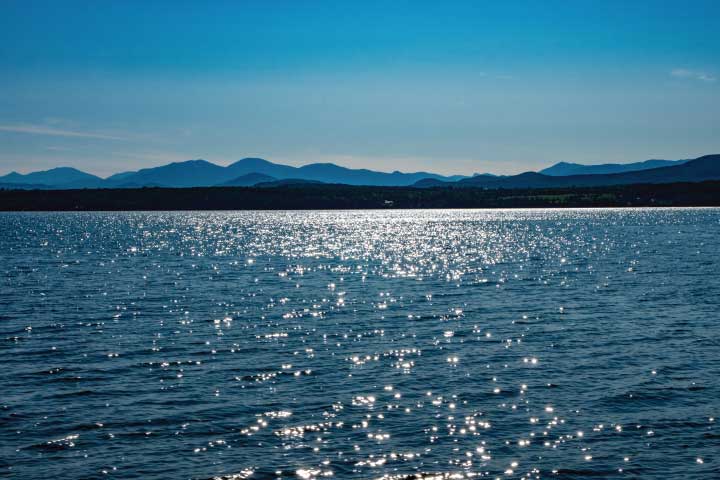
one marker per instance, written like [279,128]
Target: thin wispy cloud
[56,132]
[693,75]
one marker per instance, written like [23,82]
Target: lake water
[366,344]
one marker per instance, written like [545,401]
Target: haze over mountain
[697,170]
[248,180]
[563,169]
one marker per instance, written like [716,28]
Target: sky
[451,87]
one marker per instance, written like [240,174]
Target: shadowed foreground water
[370,345]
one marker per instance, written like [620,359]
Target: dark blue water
[373,345]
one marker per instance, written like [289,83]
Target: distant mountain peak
[197,161]
[251,160]
[53,177]
[700,169]
[562,169]
[64,169]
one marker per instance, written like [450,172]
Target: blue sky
[451,87]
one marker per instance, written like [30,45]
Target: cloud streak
[56,132]
[693,75]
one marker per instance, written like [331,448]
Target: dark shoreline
[346,197]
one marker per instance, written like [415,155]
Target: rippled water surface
[368,345]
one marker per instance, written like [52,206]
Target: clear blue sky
[452,87]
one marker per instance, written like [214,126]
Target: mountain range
[258,172]
[697,170]
[563,169]
[201,173]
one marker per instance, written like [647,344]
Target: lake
[430,344]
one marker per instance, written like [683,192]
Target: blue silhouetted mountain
[331,173]
[258,165]
[252,171]
[192,173]
[198,173]
[248,180]
[697,170]
[563,169]
[119,176]
[201,173]
[54,177]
